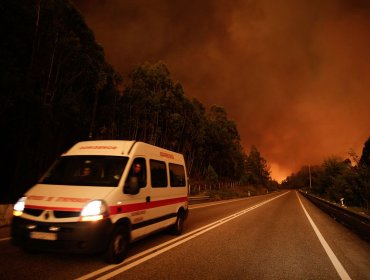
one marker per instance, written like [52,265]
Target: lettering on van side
[138,219]
[137,213]
[59,199]
[98,147]
[36,197]
[73,199]
[166,155]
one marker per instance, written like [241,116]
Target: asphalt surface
[265,237]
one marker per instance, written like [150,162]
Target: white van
[101,195]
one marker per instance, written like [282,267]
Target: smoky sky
[294,75]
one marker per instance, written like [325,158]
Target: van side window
[158,173]
[177,175]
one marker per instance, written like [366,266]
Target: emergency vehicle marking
[166,155]
[59,199]
[36,197]
[73,199]
[98,147]
[69,209]
[138,219]
[137,213]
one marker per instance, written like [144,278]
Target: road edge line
[333,258]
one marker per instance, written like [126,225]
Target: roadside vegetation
[338,180]
[237,192]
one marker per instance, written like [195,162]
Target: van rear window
[105,171]
[177,175]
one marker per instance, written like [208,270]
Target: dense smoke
[293,75]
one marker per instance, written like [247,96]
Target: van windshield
[105,171]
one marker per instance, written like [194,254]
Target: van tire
[118,246]
[178,227]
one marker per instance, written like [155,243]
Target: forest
[58,89]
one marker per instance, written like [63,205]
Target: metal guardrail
[198,199]
[355,221]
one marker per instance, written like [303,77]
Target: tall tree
[151,107]
[333,177]
[222,146]
[365,157]
[258,172]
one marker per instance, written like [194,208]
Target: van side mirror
[132,186]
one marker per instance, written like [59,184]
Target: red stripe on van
[127,208]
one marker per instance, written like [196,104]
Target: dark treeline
[336,178]
[52,73]
[57,89]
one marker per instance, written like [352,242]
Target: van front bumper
[76,237]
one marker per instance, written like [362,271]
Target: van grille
[33,212]
[66,214]
[57,214]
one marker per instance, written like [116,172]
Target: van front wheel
[118,246]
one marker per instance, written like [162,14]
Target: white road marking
[337,265]
[209,204]
[155,251]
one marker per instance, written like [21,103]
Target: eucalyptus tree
[334,177]
[258,173]
[365,156]
[153,108]
[222,144]
[363,172]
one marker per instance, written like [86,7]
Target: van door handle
[147,199]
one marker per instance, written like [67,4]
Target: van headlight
[94,211]
[18,208]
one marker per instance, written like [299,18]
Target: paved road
[276,236]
